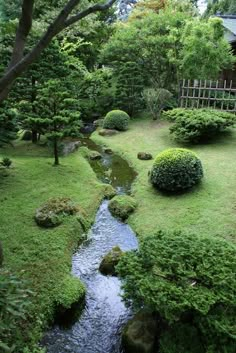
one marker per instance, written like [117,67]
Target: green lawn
[43,254]
[208,209]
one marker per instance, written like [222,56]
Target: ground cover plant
[42,256]
[198,125]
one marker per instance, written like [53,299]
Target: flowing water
[99,327]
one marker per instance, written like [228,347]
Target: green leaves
[178,274]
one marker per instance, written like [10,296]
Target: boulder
[108,132]
[51,213]
[110,260]
[109,191]
[94,155]
[108,150]
[122,206]
[144,156]
[140,334]
[71,146]
[98,122]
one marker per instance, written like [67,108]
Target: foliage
[116,119]
[221,6]
[122,206]
[72,291]
[185,278]
[201,58]
[156,100]
[176,169]
[196,125]
[8,124]
[14,303]
[59,116]
[6,162]
[128,88]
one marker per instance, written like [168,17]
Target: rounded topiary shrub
[176,169]
[116,119]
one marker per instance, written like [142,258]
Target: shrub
[176,169]
[186,278]
[116,119]
[195,125]
[6,162]
[156,100]
[14,305]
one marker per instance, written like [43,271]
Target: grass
[43,256]
[207,209]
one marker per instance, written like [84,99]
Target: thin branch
[89,10]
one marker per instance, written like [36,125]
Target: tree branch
[88,11]
[56,27]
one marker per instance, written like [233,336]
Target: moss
[70,291]
[122,206]
[110,260]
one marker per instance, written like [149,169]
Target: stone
[51,213]
[109,191]
[71,146]
[98,122]
[94,155]
[140,334]
[144,156]
[108,132]
[108,150]
[122,206]
[110,260]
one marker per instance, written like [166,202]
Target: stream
[98,329]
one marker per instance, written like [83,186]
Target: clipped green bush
[196,125]
[188,279]
[176,169]
[116,119]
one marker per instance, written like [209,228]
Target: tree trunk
[34,136]
[56,157]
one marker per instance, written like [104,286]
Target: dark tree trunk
[34,136]
[56,157]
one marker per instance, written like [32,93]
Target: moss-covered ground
[207,209]
[43,256]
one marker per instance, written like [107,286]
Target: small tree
[156,100]
[59,115]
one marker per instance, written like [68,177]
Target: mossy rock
[94,155]
[52,212]
[144,156]
[110,260]
[70,291]
[108,132]
[109,191]
[122,206]
[140,334]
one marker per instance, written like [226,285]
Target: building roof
[229,23]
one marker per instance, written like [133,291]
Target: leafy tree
[59,116]
[8,124]
[186,279]
[220,6]
[20,61]
[156,100]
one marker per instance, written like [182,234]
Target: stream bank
[98,329]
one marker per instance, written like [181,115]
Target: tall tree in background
[221,6]
[72,12]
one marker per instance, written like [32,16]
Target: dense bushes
[14,305]
[194,125]
[116,119]
[187,279]
[176,169]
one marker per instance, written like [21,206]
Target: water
[99,327]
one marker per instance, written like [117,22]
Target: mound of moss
[110,260]
[122,206]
